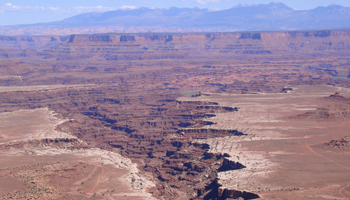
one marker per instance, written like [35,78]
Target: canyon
[175,115]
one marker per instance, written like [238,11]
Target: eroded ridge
[158,138]
[278,132]
[42,162]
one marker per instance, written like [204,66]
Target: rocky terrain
[273,130]
[338,144]
[194,116]
[43,163]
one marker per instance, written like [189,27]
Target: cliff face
[272,41]
[30,42]
[181,46]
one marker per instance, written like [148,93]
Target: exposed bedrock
[338,144]
[224,193]
[146,127]
[182,46]
[139,46]
[228,165]
[66,143]
[216,132]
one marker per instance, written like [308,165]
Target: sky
[13,12]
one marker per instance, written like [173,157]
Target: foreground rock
[47,164]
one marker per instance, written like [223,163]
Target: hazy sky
[34,11]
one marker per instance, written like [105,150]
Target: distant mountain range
[262,17]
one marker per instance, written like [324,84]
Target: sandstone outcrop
[338,144]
